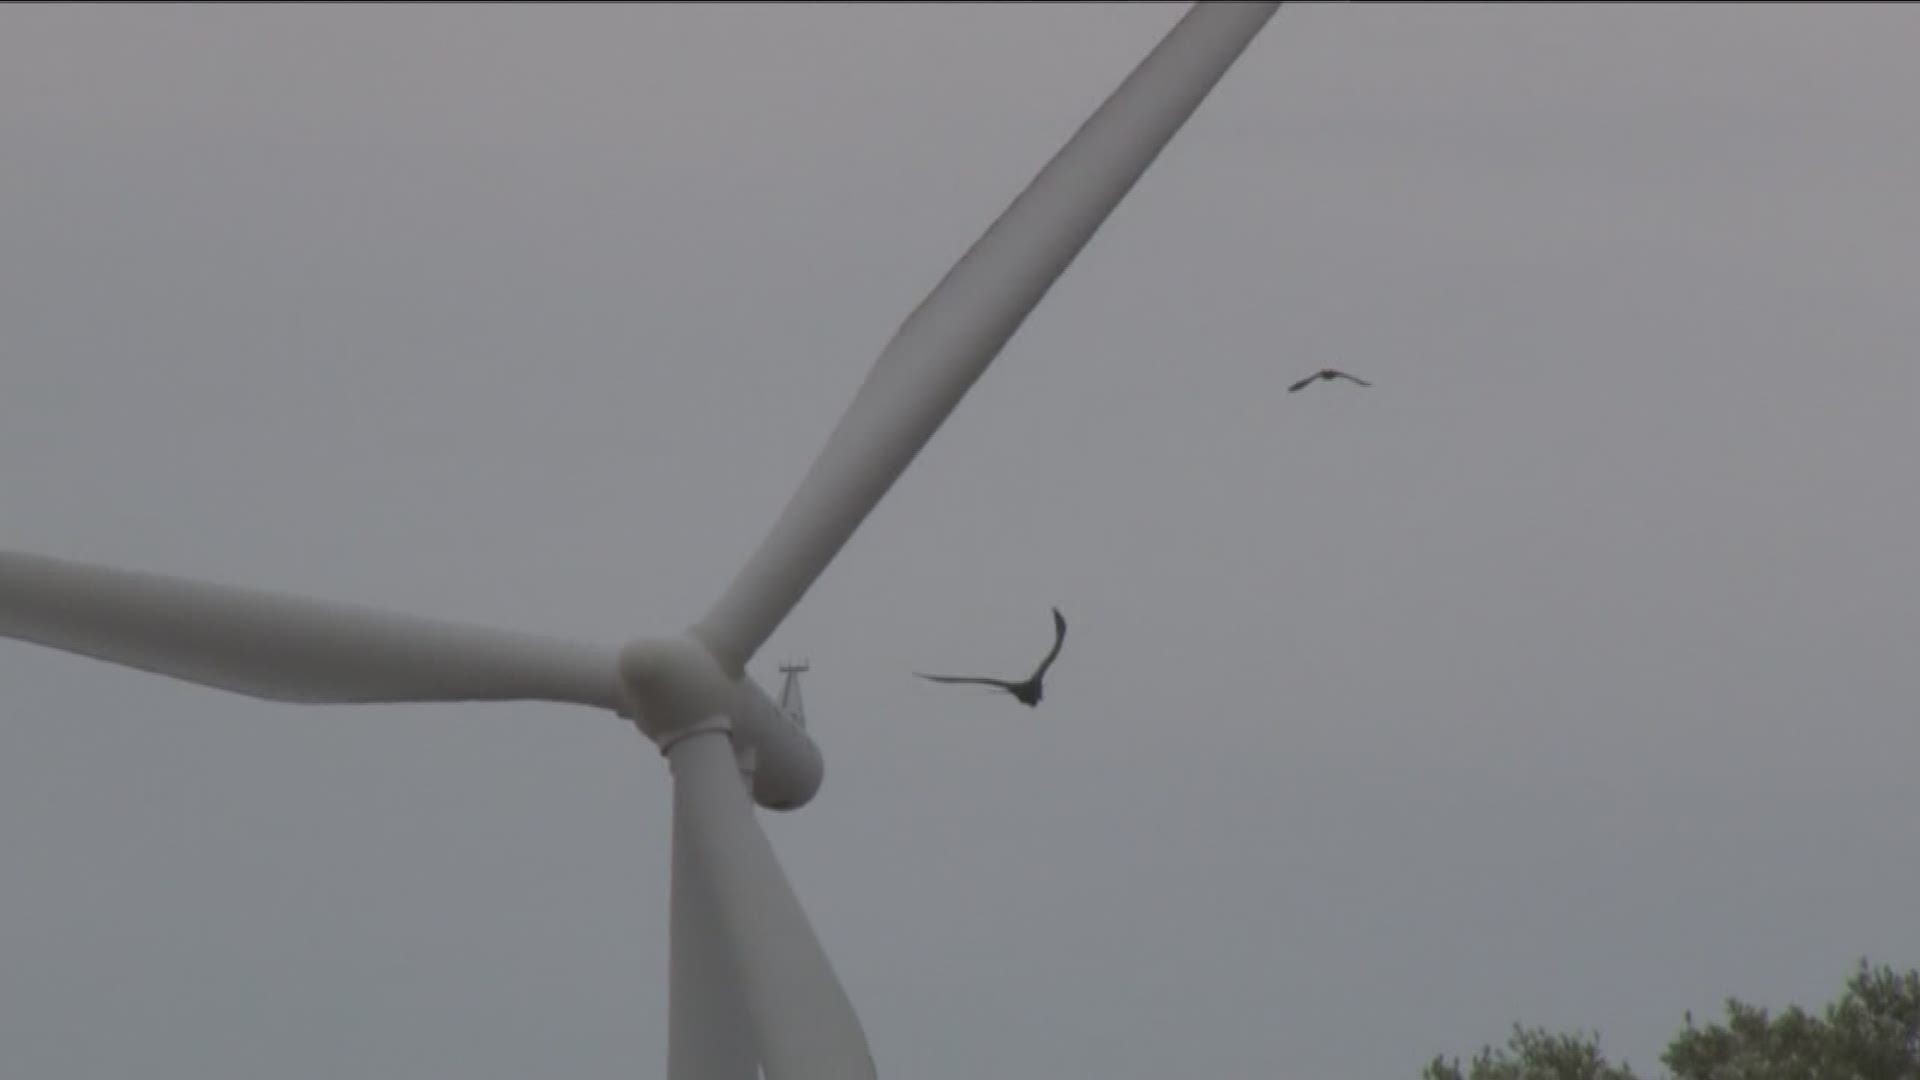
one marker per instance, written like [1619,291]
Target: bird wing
[1350,378]
[1059,638]
[1302,384]
[1001,683]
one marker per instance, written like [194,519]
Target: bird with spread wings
[1028,692]
[1328,374]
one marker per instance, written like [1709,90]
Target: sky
[1564,677]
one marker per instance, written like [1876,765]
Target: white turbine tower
[750,985]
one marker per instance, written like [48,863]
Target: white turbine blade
[948,341]
[801,1021]
[286,648]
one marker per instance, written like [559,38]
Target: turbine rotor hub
[673,688]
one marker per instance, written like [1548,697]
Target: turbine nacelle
[671,688]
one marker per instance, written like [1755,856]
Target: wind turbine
[750,985]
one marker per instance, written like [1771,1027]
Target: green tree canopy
[1871,1032]
[1534,1054]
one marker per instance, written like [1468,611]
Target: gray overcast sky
[1568,676]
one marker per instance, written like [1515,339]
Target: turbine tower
[751,989]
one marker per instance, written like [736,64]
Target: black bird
[1028,693]
[1328,374]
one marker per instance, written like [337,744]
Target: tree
[1871,1032]
[1534,1054]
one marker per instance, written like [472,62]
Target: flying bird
[1328,374]
[1028,692]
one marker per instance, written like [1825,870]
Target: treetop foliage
[1871,1032]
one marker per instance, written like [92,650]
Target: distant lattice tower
[790,702]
